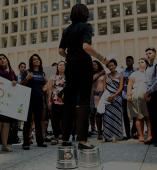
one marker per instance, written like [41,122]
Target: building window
[15,12]
[14,27]
[77,1]
[34,9]
[153,5]
[55,5]
[55,20]
[24,11]
[44,7]
[15,1]
[66,4]
[101,1]
[91,15]
[102,29]
[66,18]
[24,0]
[154,22]
[44,22]
[129,25]
[6,2]
[141,6]
[33,38]
[142,24]
[5,28]
[44,36]
[5,14]
[13,41]
[4,42]
[89,2]
[102,13]
[128,9]
[34,23]
[115,27]
[23,39]
[24,25]
[55,35]
[115,10]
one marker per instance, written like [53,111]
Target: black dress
[78,77]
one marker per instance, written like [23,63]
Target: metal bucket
[89,158]
[67,157]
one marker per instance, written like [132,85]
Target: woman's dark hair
[112,61]
[100,67]
[10,69]
[57,71]
[31,63]
[79,13]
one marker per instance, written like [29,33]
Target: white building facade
[120,27]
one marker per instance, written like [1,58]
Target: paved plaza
[124,155]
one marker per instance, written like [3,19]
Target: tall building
[120,27]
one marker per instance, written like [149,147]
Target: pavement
[124,155]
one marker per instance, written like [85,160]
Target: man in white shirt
[151,94]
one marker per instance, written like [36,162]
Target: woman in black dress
[35,79]
[75,46]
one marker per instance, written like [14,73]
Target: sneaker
[6,148]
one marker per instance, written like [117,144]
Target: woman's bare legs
[149,132]
[4,133]
[140,129]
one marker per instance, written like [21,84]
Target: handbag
[103,102]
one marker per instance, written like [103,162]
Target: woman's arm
[89,49]
[129,88]
[120,87]
[62,52]
[26,80]
[50,87]
[119,90]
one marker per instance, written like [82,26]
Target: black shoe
[84,146]
[25,147]
[66,143]
[42,145]
[125,138]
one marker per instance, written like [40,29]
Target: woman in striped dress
[113,111]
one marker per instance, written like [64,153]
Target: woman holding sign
[6,72]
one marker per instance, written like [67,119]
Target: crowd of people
[70,98]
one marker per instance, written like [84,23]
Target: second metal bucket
[67,157]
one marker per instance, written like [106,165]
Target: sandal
[54,141]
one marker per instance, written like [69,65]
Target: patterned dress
[113,113]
